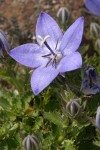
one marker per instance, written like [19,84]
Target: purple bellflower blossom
[3,42]
[93,6]
[55,53]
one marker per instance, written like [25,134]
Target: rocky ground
[27,11]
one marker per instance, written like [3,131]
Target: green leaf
[68,145]
[54,117]
[97,143]
[38,122]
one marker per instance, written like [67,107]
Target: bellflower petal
[70,62]
[46,25]
[42,77]
[29,55]
[72,37]
[93,6]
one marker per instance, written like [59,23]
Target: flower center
[54,56]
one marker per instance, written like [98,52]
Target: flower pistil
[54,57]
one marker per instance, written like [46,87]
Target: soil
[18,17]
[26,11]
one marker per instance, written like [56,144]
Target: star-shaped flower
[93,6]
[55,53]
[3,42]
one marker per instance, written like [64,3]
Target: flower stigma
[54,56]
[43,39]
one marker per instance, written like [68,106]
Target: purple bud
[98,117]
[90,82]
[31,143]
[97,45]
[63,15]
[3,41]
[95,29]
[73,107]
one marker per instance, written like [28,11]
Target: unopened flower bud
[90,82]
[31,143]
[95,29]
[63,15]
[73,107]
[98,117]
[97,44]
[3,42]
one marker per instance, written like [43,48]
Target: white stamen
[57,57]
[43,39]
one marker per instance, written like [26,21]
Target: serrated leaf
[54,117]
[68,145]
[38,122]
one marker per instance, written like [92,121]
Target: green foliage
[54,117]
[22,113]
